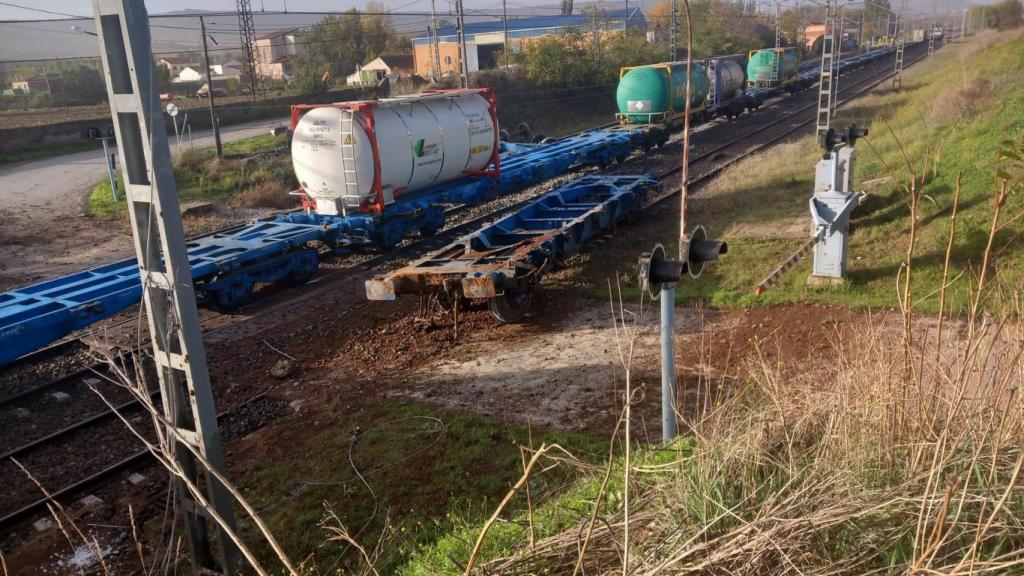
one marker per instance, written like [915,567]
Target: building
[217,71]
[382,67]
[40,84]
[485,39]
[275,53]
[176,64]
[190,74]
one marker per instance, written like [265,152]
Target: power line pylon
[247,35]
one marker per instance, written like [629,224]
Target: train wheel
[510,307]
[305,270]
[230,298]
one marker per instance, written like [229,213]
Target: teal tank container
[762,69]
[657,92]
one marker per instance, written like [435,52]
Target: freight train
[372,172]
[719,86]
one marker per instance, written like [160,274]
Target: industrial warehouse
[706,288]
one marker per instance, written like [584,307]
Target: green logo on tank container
[417,148]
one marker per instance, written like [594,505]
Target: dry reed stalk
[541,451]
[163,450]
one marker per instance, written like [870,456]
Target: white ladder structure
[348,159]
[826,83]
[897,77]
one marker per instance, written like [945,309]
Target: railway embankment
[866,427]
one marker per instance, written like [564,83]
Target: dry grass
[904,457]
[266,194]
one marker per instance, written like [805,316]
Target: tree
[163,74]
[334,47]
[719,27]
[82,84]
[377,30]
[1006,14]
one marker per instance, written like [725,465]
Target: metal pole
[159,238]
[108,158]
[177,136]
[668,362]
[462,43]
[504,31]
[209,92]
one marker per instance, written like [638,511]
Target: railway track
[69,430]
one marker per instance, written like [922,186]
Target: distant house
[275,52]
[190,74]
[40,84]
[485,39]
[382,67]
[176,64]
[196,74]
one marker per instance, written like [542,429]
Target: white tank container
[421,140]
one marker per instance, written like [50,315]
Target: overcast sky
[84,7]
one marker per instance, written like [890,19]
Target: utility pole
[209,91]
[504,31]
[189,412]
[434,41]
[963,24]
[860,28]
[460,18]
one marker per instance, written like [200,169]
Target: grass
[430,471]
[201,177]
[951,114]
[26,153]
[902,457]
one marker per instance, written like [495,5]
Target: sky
[84,7]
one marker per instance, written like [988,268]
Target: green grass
[200,177]
[25,153]
[965,98]
[427,482]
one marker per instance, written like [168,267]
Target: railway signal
[178,351]
[659,276]
[831,204]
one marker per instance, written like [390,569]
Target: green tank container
[657,92]
[764,71]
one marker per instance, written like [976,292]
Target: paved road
[43,225]
[57,185]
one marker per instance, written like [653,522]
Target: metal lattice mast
[839,28]
[673,32]
[247,35]
[434,41]
[778,24]
[825,92]
[931,30]
[900,37]
[177,340]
